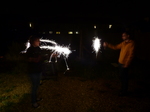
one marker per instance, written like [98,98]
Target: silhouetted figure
[34,68]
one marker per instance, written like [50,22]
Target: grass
[8,105]
[10,85]
[99,80]
[90,110]
[10,89]
[15,96]
[4,98]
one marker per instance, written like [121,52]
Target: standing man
[125,58]
[34,68]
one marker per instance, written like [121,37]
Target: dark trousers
[35,81]
[124,78]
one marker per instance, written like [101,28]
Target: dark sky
[78,11]
[75,10]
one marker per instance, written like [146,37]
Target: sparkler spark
[48,41]
[60,50]
[56,49]
[41,40]
[96,45]
[27,46]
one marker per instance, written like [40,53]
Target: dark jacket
[34,67]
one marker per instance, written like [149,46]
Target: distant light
[57,32]
[77,32]
[50,32]
[70,32]
[30,24]
[43,32]
[110,26]
[94,26]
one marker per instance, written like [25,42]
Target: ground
[71,93]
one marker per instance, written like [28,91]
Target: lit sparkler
[60,50]
[56,49]
[27,46]
[96,45]
[48,41]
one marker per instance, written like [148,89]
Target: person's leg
[33,89]
[35,79]
[124,80]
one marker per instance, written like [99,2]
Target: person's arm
[115,47]
[130,55]
[36,60]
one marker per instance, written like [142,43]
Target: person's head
[34,40]
[126,35]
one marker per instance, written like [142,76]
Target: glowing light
[27,44]
[50,32]
[77,32]
[57,32]
[110,26]
[96,45]
[60,50]
[56,49]
[94,26]
[47,47]
[48,41]
[30,24]
[70,32]
[64,50]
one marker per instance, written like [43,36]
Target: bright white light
[30,24]
[96,45]
[56,49]
[94,26]
[48,41]
[27,44]
[50,32]
[110,26]
[63,50]
[77,32]
[70,32]
[60,50]
[48,47]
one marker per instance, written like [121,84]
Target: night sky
[17,13]
[75,11]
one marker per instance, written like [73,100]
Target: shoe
[35,105]
[39,99]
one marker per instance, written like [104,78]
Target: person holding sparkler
[34,68]
[126,56]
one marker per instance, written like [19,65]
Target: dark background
[78,15]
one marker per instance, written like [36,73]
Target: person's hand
[105,44]
[124,66]
[36,60]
